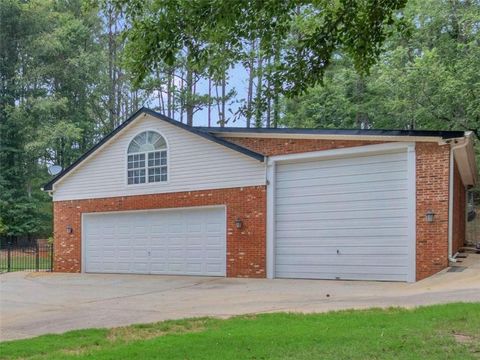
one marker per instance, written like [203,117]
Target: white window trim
[146,183]
[272,161]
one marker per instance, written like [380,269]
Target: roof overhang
[460,141]
[464,154]
[337,134]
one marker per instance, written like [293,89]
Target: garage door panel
[346,260]
[328,179]
[303,208]
[369,195]
[337,275]
[373,250]
[347,161]
[304,170]
[161,242]
[344,232]
[299,189]
[358,206]
[338,242]
[339,215]
[327,224]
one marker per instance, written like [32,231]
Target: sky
[238,78]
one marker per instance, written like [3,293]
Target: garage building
[159,197]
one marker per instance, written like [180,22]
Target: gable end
[146,111]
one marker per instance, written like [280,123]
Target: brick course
[277,146]
[246,247]
[432,167]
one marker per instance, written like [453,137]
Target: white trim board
[342,153]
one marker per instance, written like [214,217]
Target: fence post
[37,256]
[51,257]
[9,256]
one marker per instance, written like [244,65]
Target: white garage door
[343,218]
[178,242]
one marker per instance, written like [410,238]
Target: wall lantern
[429,216]
[69,229]
[239,223]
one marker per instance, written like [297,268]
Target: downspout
[451,258]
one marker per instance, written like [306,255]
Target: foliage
[215,34]
[50,63]
[434,332]
[70,73]
[427,77]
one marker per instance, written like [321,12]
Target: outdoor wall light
[69,229]
[429,216]
[239,223]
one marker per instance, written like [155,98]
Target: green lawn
[435,332]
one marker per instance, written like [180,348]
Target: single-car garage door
[343,218]
[177,242]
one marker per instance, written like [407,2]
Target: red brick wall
[432,194]
[459,208]
[245,247]
[270,146]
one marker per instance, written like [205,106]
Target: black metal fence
[36,256]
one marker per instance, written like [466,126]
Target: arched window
[147,158]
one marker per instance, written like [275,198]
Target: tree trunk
[182,97]
[258,98]
[224,100]
[209,101]
[189,97]
[111,70]
[251,76]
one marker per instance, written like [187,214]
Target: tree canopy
[427,77]
[302,36]
[73,70]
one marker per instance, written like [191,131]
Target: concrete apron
[33,304]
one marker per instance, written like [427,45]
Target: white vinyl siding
[172,242]
[343,218]
[194,163]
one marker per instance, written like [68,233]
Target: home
[159,197]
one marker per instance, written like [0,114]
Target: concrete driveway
[38,303]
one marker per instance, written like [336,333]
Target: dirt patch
[463,338]
[79,351]
[150,331]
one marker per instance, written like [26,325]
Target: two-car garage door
[344,218]
[176,242]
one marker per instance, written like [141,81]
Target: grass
[435,332]
[23,261]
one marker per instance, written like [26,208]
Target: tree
[427,76]
[50,62]
[218,32]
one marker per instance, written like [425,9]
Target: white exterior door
[344,218]
[176,242]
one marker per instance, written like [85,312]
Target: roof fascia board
[330,137]
[262,132]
